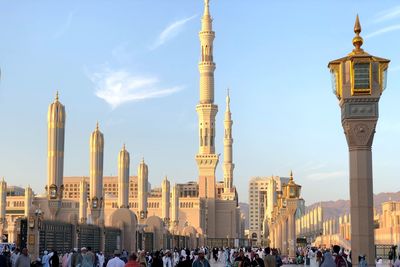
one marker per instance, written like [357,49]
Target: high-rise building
[262,198]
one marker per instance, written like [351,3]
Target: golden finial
[206,2]
[142,160]
[291,175]
[57,96]
[123,147]
[357,40]
[97,125]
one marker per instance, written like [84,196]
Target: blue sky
[132,65]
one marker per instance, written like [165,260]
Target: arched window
[206,138]
[201,137]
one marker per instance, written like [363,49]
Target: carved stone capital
[359,133]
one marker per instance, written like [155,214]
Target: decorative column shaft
[175,205]
[142,189]
[123,178]
[3,200]
[165,198]
[55,148]
[28,201]
[358,82]
[96,175]
[83,199]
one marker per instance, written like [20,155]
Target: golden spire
[56,100]
[228,99]
[123,147]
[291,177]
[97,125]
[357,40]
[142,160]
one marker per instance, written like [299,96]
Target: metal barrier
[56,235]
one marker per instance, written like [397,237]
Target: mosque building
[205,210]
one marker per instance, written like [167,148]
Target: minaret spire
[228,151]
[206,21]
[96,148]
[206,158]
[55,149]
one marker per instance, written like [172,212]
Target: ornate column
[83,201]
[292,236]
[358,82]
[284,250]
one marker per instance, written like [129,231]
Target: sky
[132,66]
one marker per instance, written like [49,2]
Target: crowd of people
[200,257]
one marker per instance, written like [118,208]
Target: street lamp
[358,81]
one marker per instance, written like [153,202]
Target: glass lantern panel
[384,79]
[361,76]
[53,193]
[334,82]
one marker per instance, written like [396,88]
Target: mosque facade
[206,211]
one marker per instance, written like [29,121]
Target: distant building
[262,197]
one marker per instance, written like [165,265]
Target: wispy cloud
[387,29]
[171,31]
[64,27]
[319,176]
[117,87]
[387,14]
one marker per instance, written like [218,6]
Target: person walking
[54,260]
[269,260]
[23,259]
[201,261]
[116,261]
[132,261]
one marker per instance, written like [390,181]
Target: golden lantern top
[359,73]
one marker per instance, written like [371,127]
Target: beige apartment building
[262,198]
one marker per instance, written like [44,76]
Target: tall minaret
[175,206]
[123,178]
[143,176]
[96,173]
[206,159]
[55,149]
[83,201]
[28,201]
[165,199]
[3,200]
[228,141]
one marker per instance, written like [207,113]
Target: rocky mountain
[336,208]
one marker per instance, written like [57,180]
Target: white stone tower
[83,201]
[143,176]
[55,149]
[206,159]
[96,173]
[3,200]
[28,200]
[165,199]
[228,153]
[175,206]
[123,178]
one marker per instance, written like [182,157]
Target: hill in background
[336,208]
